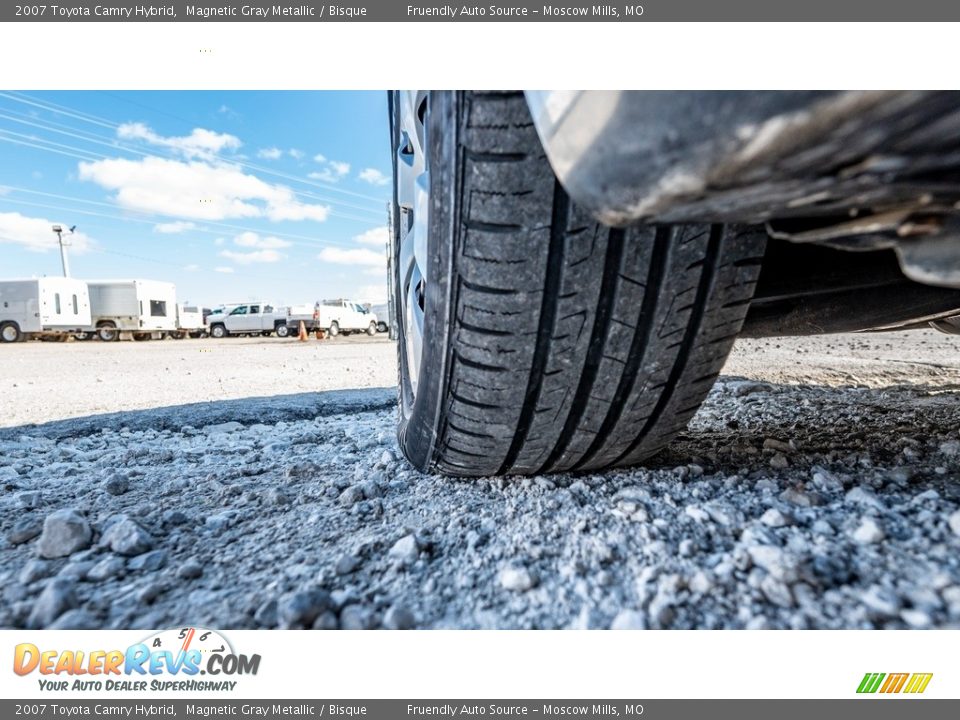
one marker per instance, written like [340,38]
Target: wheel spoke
[413,197]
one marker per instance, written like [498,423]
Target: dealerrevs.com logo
[889,683]
[170,660]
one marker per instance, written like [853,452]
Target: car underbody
[858,191]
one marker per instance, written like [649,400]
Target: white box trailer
[50,306]
[141,307]
[190,321]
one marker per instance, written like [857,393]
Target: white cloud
[200,142]
[253,240]
[332,170]
[197,190]
[191,267]
[373,176]
[373,294]
[249,258]
[376,237]
[326,175]
[272,153]
[37,233]
[295,154]
[173,228]
[220,241]
[226,269]
[353,256]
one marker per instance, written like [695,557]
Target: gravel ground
[817,488]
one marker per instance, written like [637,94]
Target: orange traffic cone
[302,336]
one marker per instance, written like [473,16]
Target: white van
[141,307]
[52,306]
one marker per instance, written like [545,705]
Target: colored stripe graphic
[918,682]
[894,682]
[870,682]
[914,683]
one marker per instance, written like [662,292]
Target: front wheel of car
[531,338]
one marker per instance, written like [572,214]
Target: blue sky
[267,195]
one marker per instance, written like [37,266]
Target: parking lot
[43,381]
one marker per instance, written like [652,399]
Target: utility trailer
[50,307]
[191,321]
[143,309]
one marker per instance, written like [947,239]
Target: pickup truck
[332,316]
[252,319]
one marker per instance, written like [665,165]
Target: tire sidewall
[108,333]
[17,334]
[420,416]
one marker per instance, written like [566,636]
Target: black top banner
[501,11]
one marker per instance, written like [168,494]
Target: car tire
[283,331]
[218,331]
[372,329]
[10,332]
[334,329]
[382,327]
[550,342]
[108,332]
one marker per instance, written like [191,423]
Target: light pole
[63,248]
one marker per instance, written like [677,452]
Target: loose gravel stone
[399,617]
[774,518]
[190,570]
[35,570]
[356,617]
[58,596]
[629,620]
[28,500]
[64,533]
[515,578]
[76,619]
[405,550]
[868,532]
[125,537]
[149,561]
[954,523]
[107,568]
[23,530]
[300,609]
[346,564]
[116,485]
